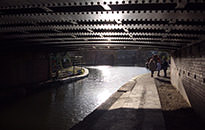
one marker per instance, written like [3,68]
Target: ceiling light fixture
[89,30]
[101,36]
[74,22]
[118,21]
[73,36]
[46,9]
[131,35]
[106,7]
[126,30]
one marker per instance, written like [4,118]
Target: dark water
[61,107]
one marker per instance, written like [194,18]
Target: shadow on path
[178,114]
[122,119]
[182,119]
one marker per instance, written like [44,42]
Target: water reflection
[105,72]
[63,106]
[101,97]
[73,86]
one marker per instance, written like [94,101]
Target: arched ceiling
[92,24]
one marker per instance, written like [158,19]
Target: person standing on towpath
[165,65]
[152,65]
[158,67]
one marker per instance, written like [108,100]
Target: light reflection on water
[101,97]
[63,106]
[105,72]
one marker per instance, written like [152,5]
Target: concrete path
[137,107]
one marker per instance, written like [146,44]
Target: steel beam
[104,16]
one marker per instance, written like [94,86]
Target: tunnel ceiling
[92,24]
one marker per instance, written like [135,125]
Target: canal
[61,107]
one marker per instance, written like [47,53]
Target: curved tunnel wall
[188,75]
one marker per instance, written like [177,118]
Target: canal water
[61,107]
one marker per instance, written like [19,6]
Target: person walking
[158,67]
[147,63]
[165,65]
[152,65]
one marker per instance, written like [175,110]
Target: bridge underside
[102,24]
[170,25]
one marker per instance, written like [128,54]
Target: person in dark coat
[165,65]
[152,65]
[158,67]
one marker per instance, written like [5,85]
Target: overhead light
[126,30]
[73,22]
[131,35]
[73,36]
[89,30]
[106,7]
[46,9]
[101,36]
[118,21]
[57,31]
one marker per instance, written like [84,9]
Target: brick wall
[188,75]
[23,68]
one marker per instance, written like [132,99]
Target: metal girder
[177,41]
[104,27]
[113,44]
[7,4]
[104,16]
[148,23]
[105,34]
[119,45]
[174,36]
[15,4]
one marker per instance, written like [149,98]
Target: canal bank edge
[142,88]
[92,118]
[74,78]
[14,93]
[66,79]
